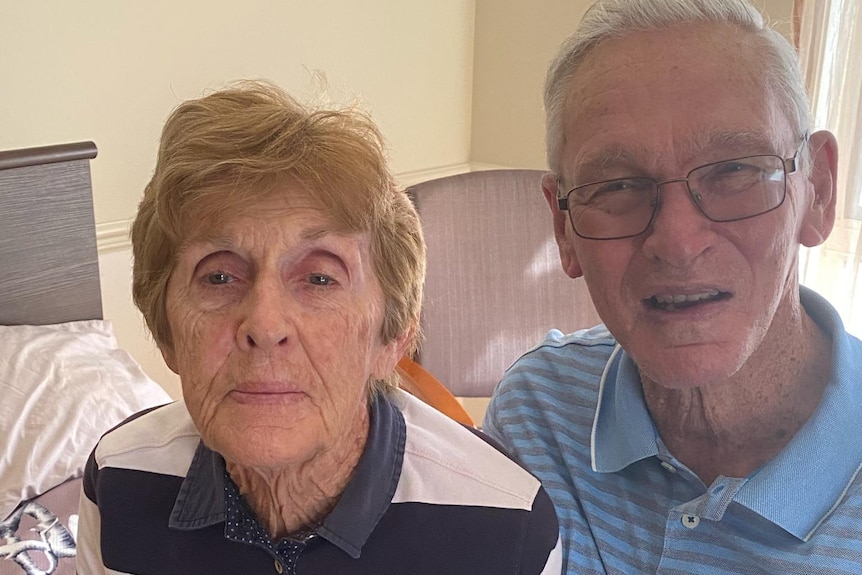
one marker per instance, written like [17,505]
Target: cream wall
[111,71]
[514,43]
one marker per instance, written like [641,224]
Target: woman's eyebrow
[315,233]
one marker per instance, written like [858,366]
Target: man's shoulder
[160,440]
[549,396]
[560,359]
[595,341]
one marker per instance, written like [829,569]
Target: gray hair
[615,18]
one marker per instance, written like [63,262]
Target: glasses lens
[612,209]
[738,189]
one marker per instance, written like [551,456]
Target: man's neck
[733,427]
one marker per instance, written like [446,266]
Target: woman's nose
[266,321]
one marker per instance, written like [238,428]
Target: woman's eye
[218,278]
[320,280]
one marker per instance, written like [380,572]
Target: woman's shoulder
[448,463]
[143,440]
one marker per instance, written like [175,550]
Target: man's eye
[218,278]
[615,186]
[320,279]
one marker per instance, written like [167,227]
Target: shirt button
[668,466]
[279,568]
[690,521]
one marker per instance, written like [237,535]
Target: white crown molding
[114,236]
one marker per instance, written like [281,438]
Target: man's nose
[679,232]
[266,321]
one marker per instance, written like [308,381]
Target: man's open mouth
[684,301]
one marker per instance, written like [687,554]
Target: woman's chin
[268,449]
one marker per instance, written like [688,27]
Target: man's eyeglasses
[725,191]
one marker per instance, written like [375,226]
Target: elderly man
[712,424]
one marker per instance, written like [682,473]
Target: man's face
[659,104]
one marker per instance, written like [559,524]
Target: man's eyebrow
[749,142]
[624,160]
[615,155]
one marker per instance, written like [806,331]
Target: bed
[63,379]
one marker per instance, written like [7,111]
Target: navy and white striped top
[626,505]
[428,497]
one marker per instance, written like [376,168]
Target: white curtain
[829,36]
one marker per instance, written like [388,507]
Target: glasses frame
[789,166]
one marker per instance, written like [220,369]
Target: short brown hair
[233,146]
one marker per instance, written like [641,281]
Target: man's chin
[695,366]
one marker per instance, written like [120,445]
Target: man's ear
[568,256]
[819,212]
[391,354]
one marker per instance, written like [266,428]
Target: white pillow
[61,387]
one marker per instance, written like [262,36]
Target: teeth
[681,298]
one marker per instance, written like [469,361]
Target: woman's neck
[300,496]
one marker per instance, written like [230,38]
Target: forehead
[275,219]
[261,195]
[673,94]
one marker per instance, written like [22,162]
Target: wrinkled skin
[658,104]
[276,322]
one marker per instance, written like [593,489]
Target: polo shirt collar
[623,431]
[200,502]
[800,486]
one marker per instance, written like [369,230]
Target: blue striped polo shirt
[572,411]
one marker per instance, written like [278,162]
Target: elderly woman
[280,272]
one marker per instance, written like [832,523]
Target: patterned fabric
[428,496]
[241,525]
[38,537]
[572,412]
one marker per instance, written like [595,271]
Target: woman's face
[275,320]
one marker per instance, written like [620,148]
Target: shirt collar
[623,431]
[799,487]
[200,502]
[804,483]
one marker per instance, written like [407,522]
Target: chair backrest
[494,285]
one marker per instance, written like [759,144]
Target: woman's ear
[819,212]
[388,357]
[568,256]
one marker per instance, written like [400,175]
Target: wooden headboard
[49,269]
